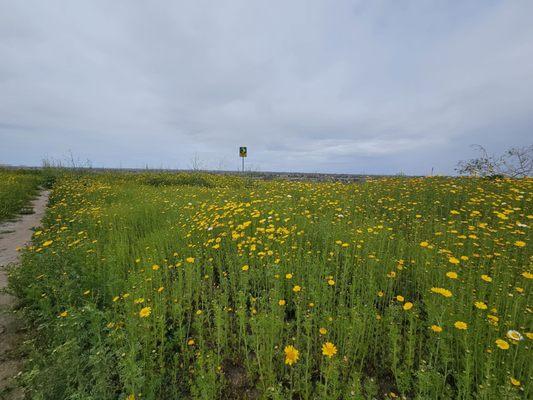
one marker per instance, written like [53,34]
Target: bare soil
[14,235]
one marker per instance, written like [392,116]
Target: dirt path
[12,236]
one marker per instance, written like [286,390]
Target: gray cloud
[348,86]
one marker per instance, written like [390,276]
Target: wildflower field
[160,286]
[17,187]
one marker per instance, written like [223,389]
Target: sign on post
[243,152]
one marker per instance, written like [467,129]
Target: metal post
[242,154]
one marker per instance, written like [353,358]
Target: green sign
[243,151]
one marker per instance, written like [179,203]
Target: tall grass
[395,287]
[17,187]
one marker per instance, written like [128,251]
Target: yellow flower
[527,275]
[442,291]
[514,335]
[380,293]
[502,344]
[529,335]
[131,397]
[331,282]
[436,328]
[486,278]
[145,312]
[515,382]
[161,288]
[190,260]
[480,305]
[451,275]
[400,298]
[282,302]
[245,267]
[288,276]
[296,288]
[48,243]
[519,243]
[329,349]
[407,306]
[461,325]
[501,216]
[199,312]
[453,260]
[190,342]
[155,267]
[424,244]
[322,331]
[291,355]
[140,300]
[63,314]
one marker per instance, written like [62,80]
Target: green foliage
[167,179]
[17,188]
[194,286]
[189,179]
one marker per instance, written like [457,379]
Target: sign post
[243,152]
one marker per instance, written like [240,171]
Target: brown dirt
[13,235]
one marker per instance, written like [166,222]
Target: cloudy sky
[332,86]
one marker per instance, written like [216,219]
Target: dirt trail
[12,236]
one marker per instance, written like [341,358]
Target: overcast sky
[331,86]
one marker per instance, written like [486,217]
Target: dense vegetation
[170,287]
[17,188]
